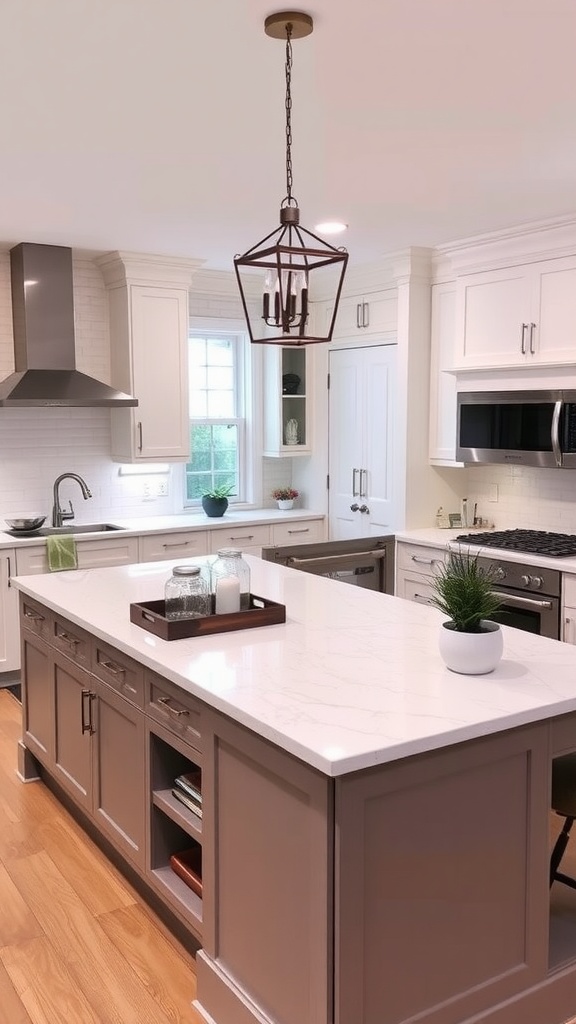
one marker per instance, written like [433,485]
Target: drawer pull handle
[180,544]
[72,640]
[130,689]
[165,702]
[116,670]
[245,536]
[305,529]
[86,706]
[34,615]
[424,561]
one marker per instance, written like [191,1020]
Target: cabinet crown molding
[525,243]
[120,268]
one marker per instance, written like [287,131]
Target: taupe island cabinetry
[374,839]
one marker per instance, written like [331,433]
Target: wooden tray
[150,615]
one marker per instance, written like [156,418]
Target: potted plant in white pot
[470,641]
[215,501]
[285,496]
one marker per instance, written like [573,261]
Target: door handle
[531,343]
[355,507]
[362,492]
[355,493]
[365,314]
[523,339]
[364,508]
[140,436]
[359,314]
[86,711]
[554,438]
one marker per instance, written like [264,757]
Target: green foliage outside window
[215,459]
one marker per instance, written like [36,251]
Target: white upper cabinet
[148,302]
[517,316]
[442,436]
[369,315]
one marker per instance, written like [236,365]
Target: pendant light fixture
[290,263]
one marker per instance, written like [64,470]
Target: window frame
[236,329]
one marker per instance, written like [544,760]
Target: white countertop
[433,537]
[352,679]
[178,523]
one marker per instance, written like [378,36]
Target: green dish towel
[61,553]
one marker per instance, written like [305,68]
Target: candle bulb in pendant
[266,305]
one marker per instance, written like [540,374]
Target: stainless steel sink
[50,531]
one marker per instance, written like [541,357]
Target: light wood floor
[77,944]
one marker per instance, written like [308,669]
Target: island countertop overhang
[353,679]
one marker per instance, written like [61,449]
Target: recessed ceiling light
[331,227]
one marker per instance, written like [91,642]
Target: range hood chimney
[44,350]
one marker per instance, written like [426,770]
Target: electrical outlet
[162,488]
[493,492]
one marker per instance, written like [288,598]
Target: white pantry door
[361,441]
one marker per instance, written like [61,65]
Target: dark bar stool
[564,803]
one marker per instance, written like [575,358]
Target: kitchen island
[375,829]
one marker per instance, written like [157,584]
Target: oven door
[361,568]
[534,613]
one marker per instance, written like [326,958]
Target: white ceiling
[158,125]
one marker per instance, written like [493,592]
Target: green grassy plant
[463,590]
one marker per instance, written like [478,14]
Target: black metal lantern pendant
[285,260]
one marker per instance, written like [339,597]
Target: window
[216,415]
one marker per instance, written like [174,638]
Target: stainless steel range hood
[44,349]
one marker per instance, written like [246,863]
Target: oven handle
[336,560]
[554,433]
[522,602]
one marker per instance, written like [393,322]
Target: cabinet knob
[364,508]
[355,507]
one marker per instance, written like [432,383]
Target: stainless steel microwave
[517,428]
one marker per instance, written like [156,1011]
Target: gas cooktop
[538,542]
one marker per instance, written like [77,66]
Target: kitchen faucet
[58,514]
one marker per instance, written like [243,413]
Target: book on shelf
[188,866]
[188,801]
[191,783]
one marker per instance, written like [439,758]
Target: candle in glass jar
[227,595]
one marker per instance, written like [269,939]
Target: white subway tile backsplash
[539,499]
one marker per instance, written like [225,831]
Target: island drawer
[72,641]
[176,710]
[36,618]
[119,671]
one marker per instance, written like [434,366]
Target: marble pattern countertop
[352,679]
[185,521]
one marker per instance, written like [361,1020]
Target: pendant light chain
[284,264]
[289,180]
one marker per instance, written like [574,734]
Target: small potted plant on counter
[285,496]
[215,501]
[470,641]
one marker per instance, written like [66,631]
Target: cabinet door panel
[492,307]
[119,772]
[345,442]
[361,441]
[378,458]
[556,311]
[72,747]
[37,697]
[9,636]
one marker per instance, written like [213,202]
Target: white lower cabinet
[415,568]
[9,639]
[249,539]
[92,554]
[568,609]
[159,546]
[299,533]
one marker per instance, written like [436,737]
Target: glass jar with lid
[230,582]
[187,593]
